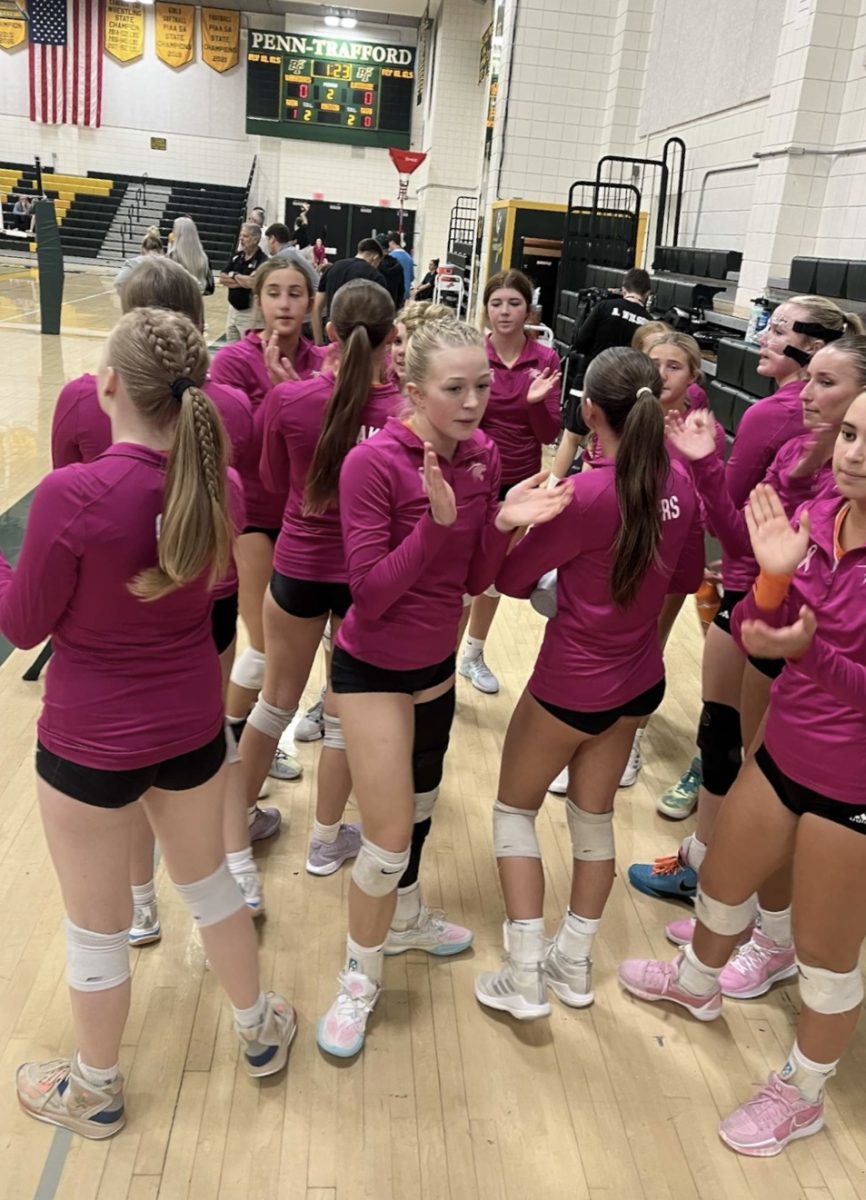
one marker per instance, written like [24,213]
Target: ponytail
[362,314]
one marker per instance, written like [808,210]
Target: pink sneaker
[756,966]
[651,980]
[681,933]
[776,1115]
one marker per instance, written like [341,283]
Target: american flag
[66,62]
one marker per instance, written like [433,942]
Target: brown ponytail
[152,350]
[362,314]
[626,386]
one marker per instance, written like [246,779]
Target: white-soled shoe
[479,674]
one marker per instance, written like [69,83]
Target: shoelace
[750,955]
[54,1072]
[769,1101]
[687,784]
[667,866]
[348,1005]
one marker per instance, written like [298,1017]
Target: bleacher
[840,279]
[737,384]
[84,205]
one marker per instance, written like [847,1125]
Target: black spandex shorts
[349,674]
[730,600]
[302,598]
[273,534]
[594,723]
[771,667]
[116,789]
[800,800]
[224,621]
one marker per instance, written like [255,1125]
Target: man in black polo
[364,265]
[237,277]
[613,322]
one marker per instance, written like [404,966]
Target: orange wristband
[771,590]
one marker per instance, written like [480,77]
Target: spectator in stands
[403,257]
[151,244]
[257,216]
[392,272]
[319,255]
[22,215]
[613,322]
[277,239]
[302,228]
[186,249]
[424,290]
[365,265]
[237,277]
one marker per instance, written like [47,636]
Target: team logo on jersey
[670,508]
[477,470]
[534,372]
[806,562]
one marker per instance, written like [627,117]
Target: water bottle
[759,319]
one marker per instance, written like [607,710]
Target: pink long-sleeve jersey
[519,428]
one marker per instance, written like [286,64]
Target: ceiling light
[348,22]
[332,20]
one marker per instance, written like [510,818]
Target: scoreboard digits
[320,96]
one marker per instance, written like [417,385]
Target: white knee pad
[377,872]
[248,670]
[424,805]
[724,919]
[591,834]
[333,733]
[327,640]
[492,593]
[232,753]
[830,992]
[270,720]
[213,899]
[96,962]
[514,832]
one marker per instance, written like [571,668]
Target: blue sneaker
[666,879]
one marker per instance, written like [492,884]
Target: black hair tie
[180,386]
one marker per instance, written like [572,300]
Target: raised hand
[279,369]
[532,502]
[694,437]
[818,451]
[543,385]
[443,506]
[791,641]
[777,546]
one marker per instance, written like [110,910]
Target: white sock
[408,907]
[98,1077]
[531,925]
[143,894]
[249,1018]
[240,861]
[326,833]
[367,960]
[473,648]
[810,1077]
[694,852]
[576,935]
[696,977]
[776,925]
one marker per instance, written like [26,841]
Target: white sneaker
[311,726]
[431,932]
[634,764]
[250,886]
[482,678]
[284,766]
[145,925]
[569,978]
[559,787]
[341,1031]
[518,987]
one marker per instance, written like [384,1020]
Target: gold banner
[13,33]
[220,38]
[123,31]
[175,33]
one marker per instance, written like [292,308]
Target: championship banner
[175,33]
[220,38]
[13,26]
[123,31]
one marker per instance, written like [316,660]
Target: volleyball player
[631,535]
[112,570]
[521,417]
[422,525]
[799,798]
[283,288]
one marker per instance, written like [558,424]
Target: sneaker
[516,988]
[56,1093]
[284,767]
[634,764]
[250,886]
[569,978]
[667,878]
[145,925]
[342,1029]
[651,980]
[266,1046]
[324,858]
[431,932]
[559,787]
[756,966]
[679,801]
[775,1115]
[265,823]
[482,678]
[682,931]
[311,726]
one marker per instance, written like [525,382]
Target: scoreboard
[329,90]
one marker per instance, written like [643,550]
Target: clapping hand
[694,437]
[279,369]
[777,546]
[443,506]
[543,385]
[532,502]
[791,641]
[818,451]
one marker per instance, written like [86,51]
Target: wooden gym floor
[617,1102]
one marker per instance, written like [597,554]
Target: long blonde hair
[187,249]
[152,350]
[824,312]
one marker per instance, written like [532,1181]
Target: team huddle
[377,496]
